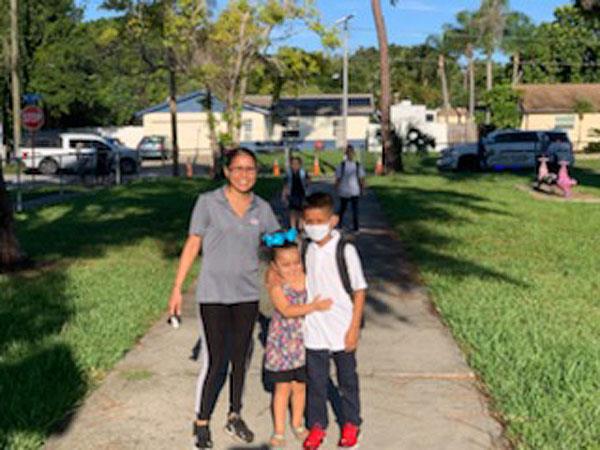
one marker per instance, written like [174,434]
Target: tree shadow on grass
[389,269]
[41,378]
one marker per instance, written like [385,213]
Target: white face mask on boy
[317,233]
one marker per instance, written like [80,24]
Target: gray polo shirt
[229,272]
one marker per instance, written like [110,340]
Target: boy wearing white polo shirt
[331,334]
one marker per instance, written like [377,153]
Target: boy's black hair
[319,200]
[297,158]
[230,155]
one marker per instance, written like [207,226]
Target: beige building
[555,106]
[314,118]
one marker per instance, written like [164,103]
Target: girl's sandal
[277,441]
[300,432]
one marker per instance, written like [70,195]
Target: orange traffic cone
[316,167]
[276,171]
[379,167]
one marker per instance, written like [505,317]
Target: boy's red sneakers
[314,439]
[349,437]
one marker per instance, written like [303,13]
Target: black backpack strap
[303,248]
[342,265]
[343,169]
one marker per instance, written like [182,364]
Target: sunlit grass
[516,279]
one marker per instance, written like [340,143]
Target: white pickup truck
[77,152]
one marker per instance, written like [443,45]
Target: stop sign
[32,117]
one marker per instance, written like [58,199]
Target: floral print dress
[285,341]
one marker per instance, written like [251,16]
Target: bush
[592,147]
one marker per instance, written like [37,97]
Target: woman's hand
[321,304]
[273,277]
[175,302]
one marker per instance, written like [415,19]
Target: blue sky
[409,22]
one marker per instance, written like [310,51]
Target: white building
[315,118]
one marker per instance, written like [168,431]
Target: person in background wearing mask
[350,184]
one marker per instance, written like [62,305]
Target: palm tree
[518,33]
[462,38]
[490,21]
[442,47]
[391,161]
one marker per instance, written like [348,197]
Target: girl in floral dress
[284,354]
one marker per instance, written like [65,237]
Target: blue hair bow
[279,238]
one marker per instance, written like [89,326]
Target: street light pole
[16,93]
[344,20]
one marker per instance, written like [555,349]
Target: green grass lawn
[108,262]
[517,280]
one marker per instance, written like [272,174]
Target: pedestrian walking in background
[295,190]
[350,184]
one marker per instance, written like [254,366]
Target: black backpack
[340,260]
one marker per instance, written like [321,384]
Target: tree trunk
[516,62]
[489,72]
[391,161]
[471,63]
[212,136]
[444,81]
[580,132]
[173,111]
[10,251]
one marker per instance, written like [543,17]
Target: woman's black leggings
[218,322]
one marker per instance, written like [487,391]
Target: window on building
[247,130]
[564,122]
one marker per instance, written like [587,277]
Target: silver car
[508,149]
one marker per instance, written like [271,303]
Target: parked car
[77,152]
[155,146]
[508,149]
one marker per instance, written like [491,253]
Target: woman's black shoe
[202,434]
[237,429]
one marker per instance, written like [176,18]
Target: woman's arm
[286,310]
[188,256]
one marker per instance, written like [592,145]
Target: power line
[521,63]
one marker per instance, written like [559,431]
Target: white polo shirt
[326,330]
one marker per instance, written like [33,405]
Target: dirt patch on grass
[555,194]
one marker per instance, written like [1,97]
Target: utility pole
[16,93]
[14,70]
[344,20]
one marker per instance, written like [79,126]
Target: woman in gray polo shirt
[227,225]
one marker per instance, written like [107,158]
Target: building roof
[558,98]
[302,105]
[324,105]
[193,102]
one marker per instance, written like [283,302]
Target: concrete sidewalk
[417,391]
